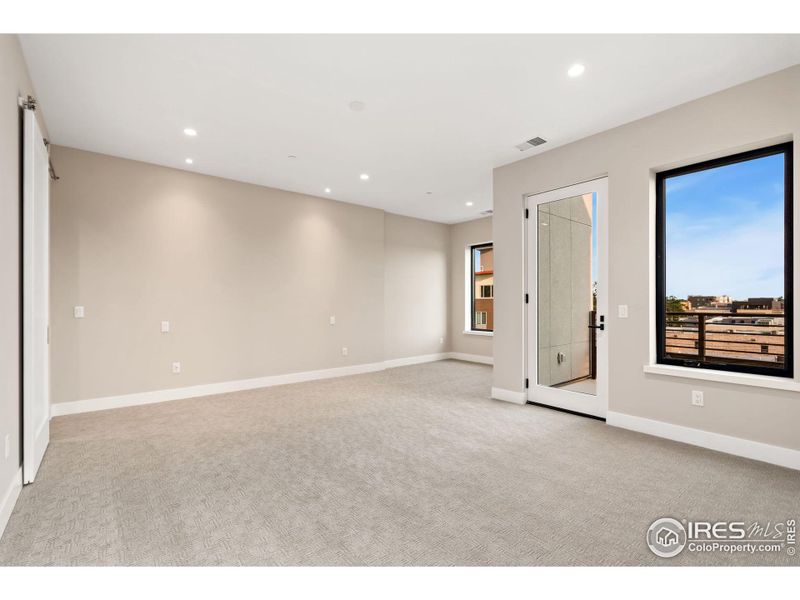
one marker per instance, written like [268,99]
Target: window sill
[764,381]
[483,333]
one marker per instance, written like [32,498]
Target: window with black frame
[482,287]
[724,263]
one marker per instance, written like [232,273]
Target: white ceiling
[441,110]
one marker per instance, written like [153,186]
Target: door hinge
[27,103]
[526,383]
[526,213]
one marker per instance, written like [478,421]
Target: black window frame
[787,370]
[472,323]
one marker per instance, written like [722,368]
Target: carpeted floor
[410,466]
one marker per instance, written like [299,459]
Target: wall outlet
[7,444]
[622,311]
[333,319]
[164,326]
[697,398]
[441,340]
[77,312]
[344,350]
[176,367]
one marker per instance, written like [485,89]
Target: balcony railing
[752,338]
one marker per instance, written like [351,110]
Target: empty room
[380,300]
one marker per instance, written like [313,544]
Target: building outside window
[482,287]
[724,263]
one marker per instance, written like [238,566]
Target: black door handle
[601,327]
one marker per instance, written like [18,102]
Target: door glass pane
[567,293]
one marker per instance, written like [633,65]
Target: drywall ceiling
[439,111]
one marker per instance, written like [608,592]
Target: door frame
[596,406]
[35,305]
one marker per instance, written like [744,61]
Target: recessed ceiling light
[357,106]
[429,193]
[470,203]
[189,161]
[291,156]
[190,132]
[327,190]
[576,70]
[363,177]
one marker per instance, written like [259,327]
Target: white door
[567,271]
[35,297]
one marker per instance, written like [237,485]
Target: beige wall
[416,256]
[14,82]
[757,113]
[461,236]
[248,277]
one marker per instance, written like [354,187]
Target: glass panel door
[567,319]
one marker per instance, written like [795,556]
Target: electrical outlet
[622,311]
[77,312]
[8,445]
[441,340]
[344,350]
[176,367]
[164,326]
[333,319]
[697,398]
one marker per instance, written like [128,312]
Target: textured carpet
[410,466]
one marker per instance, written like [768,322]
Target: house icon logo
[666,537]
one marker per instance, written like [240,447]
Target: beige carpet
[410,466]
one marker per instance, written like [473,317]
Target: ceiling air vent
[487,212]
[531,143]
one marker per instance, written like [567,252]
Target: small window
[481,286]
[724,263]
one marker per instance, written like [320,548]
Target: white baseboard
[777,455]
[414,360]
[509,396]
[210,389]
[476,358]
[9,499]
[81,406]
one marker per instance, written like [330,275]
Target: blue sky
[724,232]
[594,237]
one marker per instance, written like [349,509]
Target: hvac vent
[487,212]
[531,143]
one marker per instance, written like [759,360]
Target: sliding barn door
[35,297]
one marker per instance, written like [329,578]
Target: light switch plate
[333,320]
[78,312]
[344,350]
[622,311]
[164,326]
[176,367]
[697,398]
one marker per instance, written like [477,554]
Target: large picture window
[482,287]
[724,263]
